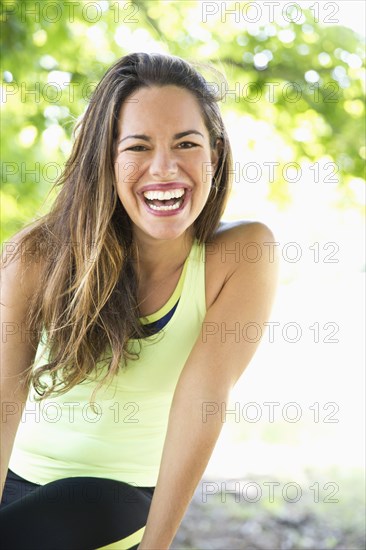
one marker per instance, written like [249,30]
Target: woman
[131,279]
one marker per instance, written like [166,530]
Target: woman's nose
[163,164]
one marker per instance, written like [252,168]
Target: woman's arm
[17,350]
[214,365]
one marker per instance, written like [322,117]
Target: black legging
[74,513]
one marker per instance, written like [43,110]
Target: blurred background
[295,113]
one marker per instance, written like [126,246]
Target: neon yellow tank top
[123,440]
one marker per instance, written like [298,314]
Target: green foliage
[52,59]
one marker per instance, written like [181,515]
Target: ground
[231,521]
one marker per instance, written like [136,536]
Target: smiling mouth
[168,204]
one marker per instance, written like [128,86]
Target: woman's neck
[158,259]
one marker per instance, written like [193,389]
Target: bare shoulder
[240,241]
[249,240]
[242,228]
[240,245]
[19,281]
[20,273]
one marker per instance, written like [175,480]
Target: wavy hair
[86,299]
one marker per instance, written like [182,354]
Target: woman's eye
[189,143]
[136,148]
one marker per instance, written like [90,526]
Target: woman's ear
[215,153]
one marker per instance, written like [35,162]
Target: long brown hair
[86,300]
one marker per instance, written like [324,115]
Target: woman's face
[163,144]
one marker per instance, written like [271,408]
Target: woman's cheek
[206,169]
[125,170]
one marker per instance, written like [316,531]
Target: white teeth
[164,195]
[171,207]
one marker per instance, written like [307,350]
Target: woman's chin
[166,234]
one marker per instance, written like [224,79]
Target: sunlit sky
[351,13]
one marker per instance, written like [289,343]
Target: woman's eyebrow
[186,133]
[137,136]
[148,138]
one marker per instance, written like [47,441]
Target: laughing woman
[122,297]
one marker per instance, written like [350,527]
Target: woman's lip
[186,197]
[164,186]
